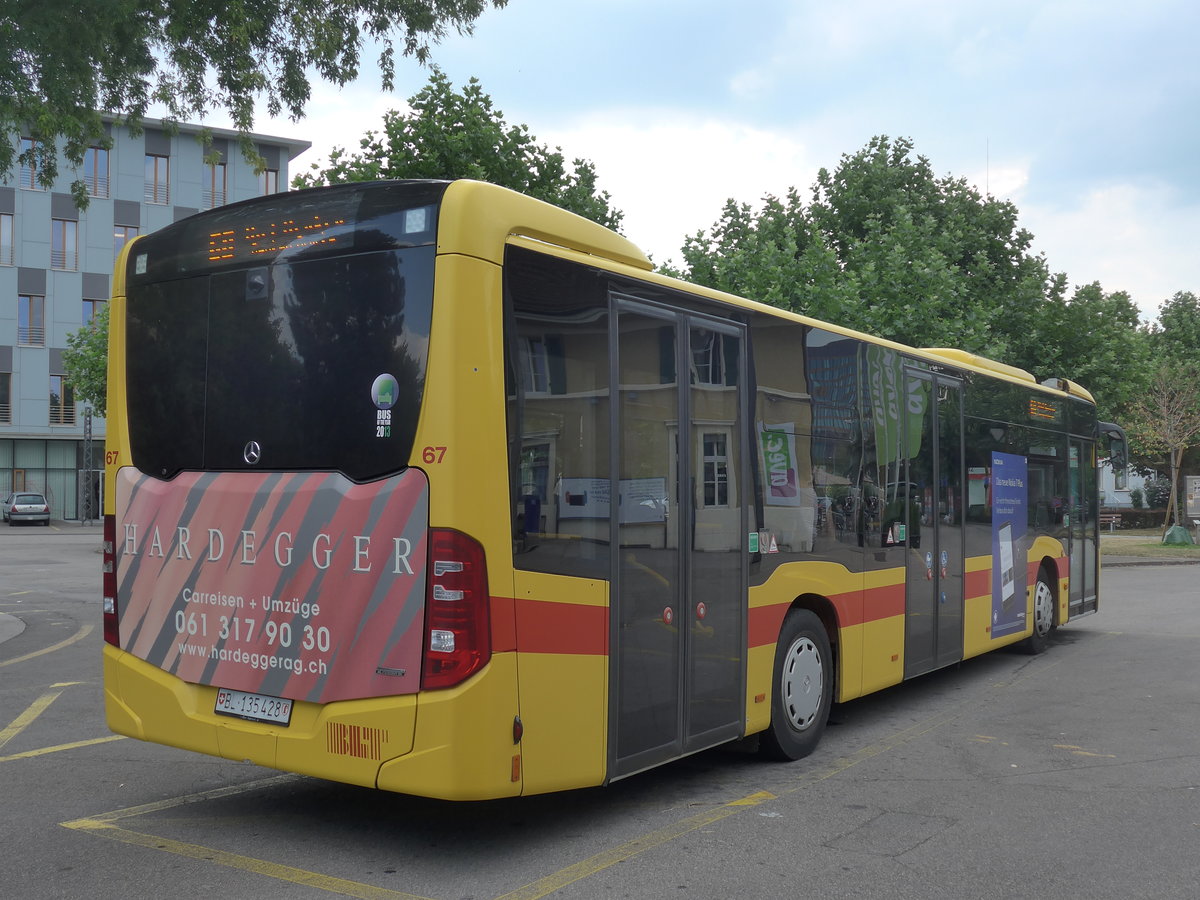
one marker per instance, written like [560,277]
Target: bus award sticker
[383,395]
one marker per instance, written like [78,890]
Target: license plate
[256,707]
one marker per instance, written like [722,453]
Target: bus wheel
[1043,615]
[803,688]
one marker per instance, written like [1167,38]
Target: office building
[56,266]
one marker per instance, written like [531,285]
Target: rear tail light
[110,581]
[458,640]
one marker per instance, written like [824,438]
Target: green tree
[887,247]
[62,62]
[1166,420]
[86,361]
[448,134]
[775,256]
[1093,338]
[1176,334]
[937,263]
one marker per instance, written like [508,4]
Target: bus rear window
[309,365]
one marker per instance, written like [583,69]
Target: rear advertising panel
[303,586]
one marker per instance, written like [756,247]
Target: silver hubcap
[802,685]
[1043,609]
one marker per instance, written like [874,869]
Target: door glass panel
[949,515]
[921,490]
[714,610]
[648,615]
[1089,521]
[1075,523]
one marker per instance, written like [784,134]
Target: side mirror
[1118,446]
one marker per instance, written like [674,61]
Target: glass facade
[62,283]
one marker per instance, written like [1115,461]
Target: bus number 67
[433,454]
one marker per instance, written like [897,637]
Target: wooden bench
[1112,520]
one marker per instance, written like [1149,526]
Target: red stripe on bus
[977,584]
[504,624]
[547,627]
[853,608]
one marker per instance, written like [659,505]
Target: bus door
[677,647]
[933,630]
[1082,526]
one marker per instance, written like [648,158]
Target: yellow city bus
[436,488]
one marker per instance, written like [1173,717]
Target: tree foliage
[884,246]
[888,247]
[1093,338]
[86,361]
[62,63]
[452,134]
[1175,337]
[1166,419]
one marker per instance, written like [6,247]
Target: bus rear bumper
[345,741]
[452,744]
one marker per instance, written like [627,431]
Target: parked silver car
[23,506]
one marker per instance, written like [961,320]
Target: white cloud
[1129,238]
[671,174]
[1004,180]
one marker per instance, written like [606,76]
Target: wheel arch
[822,607]
[1052,567]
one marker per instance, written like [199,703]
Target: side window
[558,415]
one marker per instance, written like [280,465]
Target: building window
[5,398]
[122,235]
[537,366]
[64,244]
[62,401]
[95,171]
[31,320]
[91,308]
[27,177]
[716,469]
[708,358]
[1120,478]
[158,179]
[268,182]
[7,255]
[214,186]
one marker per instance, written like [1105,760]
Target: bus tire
[1043,615]
[801,690]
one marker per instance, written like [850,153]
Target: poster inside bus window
[1009,486]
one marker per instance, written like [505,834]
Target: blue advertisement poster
[1010,502]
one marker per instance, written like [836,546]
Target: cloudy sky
[1084,113]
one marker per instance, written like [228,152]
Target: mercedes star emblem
[252,453]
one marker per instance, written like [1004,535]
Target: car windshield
[29,498]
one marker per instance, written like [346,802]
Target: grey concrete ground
[1066,775]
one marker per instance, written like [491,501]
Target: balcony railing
[157,193]
[97,185]
[31,335]
[64,259]
[62,415]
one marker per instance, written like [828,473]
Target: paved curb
[1119,561]
[10,627]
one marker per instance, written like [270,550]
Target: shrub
[1158,492]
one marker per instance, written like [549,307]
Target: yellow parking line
[58,748]
[630,849]
[601,861]
[83,632]
[103,826]
[36,708]
[237,861]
